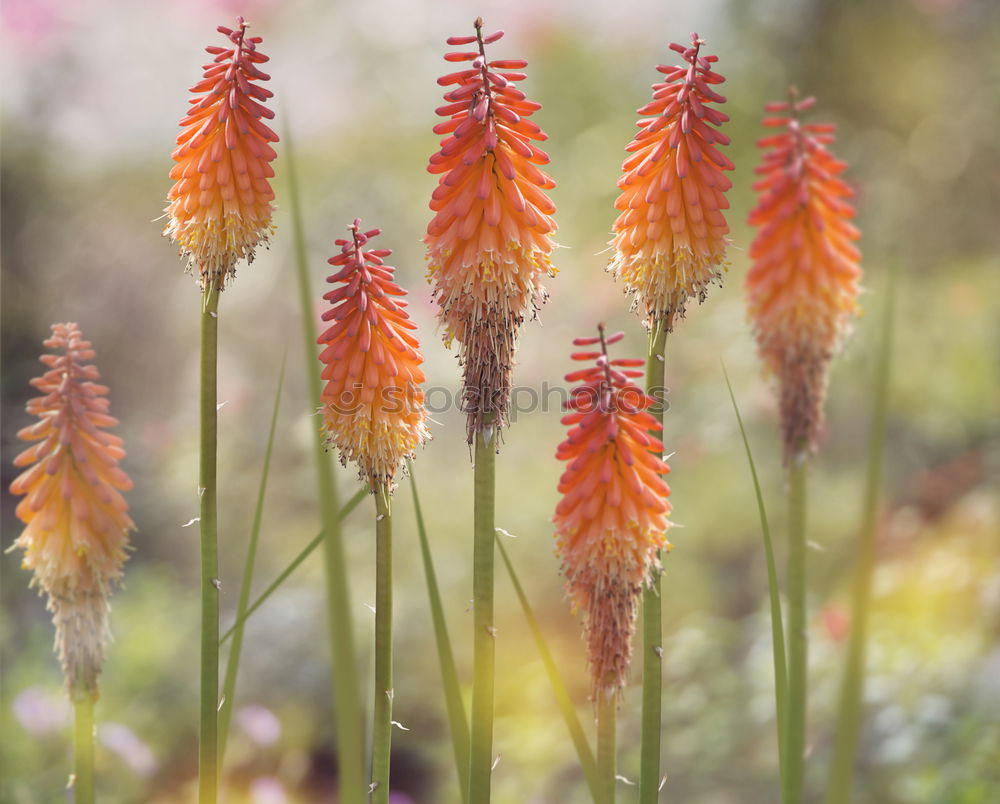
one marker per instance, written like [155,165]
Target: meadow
[90,111]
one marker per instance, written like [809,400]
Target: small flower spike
[220,206]
[373,406]
[76,520]
[670,239]
[802,288]
[488,244]
[612,518]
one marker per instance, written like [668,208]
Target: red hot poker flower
[220,206]
[373,406]
[670,239]
[803,286]
[76,520]
[612,518]
[488,244]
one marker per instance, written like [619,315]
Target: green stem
[458,725]
[484,639]
[382,727]
[83,747]
[795,729]
[233,664]
[208,749]
[652,625]
[606,712]
[348,716]
[853,682]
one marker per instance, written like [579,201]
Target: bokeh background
[92,94]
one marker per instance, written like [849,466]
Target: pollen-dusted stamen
[220,206]
[670,239]
[488,245]
[612,518]
[373,406]
[803,286]
[76,520]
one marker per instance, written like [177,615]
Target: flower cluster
[488,244]
[76,520]
[670,238]
[803,286]
[612,518]
[220,206]
[373,406]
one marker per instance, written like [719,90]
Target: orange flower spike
[612,518]
[802,288]
[488,245]
[670,238]
[220,206]
[76,520]
[373,406]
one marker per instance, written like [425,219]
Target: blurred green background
[92,94]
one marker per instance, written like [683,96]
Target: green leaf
[458,725]
[233,664]
[302,556]
[777,627]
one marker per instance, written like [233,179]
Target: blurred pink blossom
[127,744]
[41,711]
[260,724]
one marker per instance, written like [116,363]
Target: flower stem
[208,750]
[606,712]
[853,682]
[795,729]
[343,669]
[652,626]
[484,647]
[83,747]
[382,727]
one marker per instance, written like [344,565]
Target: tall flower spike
[488,244]
[670,239]
[373,406]
[612,518]
[220,206]
[803,286]
[76,520]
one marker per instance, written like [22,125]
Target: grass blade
[302,556]
[777,624]
[348,712]
[457,723]
[233,664]
[852,684]
[576,733]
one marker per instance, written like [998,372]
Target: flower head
[488,244]
[612,518]
[373,406]
[670,239]
[220,206]
[76,520]
[803,286]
